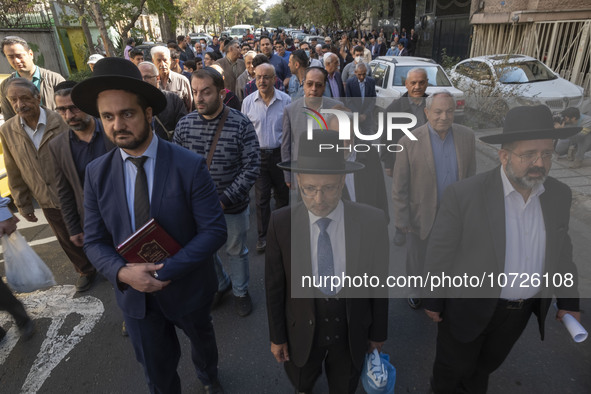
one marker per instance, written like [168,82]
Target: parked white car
[516,80]
[390,75]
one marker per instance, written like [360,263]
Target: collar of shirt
[130,173]
[509,189]
[42,121]
[36,76]
[97,130]
[336,215]
[150,151]
[258,97]
[436,136]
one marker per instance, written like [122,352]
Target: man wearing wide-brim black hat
[145,178]
[324,237]
[510,222]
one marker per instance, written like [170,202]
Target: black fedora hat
[114,73]
[316,157]
[529,123]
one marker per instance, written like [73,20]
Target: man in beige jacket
[30,167]
[444,153]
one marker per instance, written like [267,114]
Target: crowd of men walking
[183,139]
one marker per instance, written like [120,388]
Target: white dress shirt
[336,232]
[36,135]
[525,234]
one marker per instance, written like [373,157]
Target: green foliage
[344,14]
[277,16]
[448,62]
[81,75]
[38,57]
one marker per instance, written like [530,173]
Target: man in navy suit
[335,83]
[149,177]
[361,93]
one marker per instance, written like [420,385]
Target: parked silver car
[513,80]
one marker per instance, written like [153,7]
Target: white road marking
[55,303]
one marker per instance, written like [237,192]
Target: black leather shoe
[217,298]
[214,388]
[84,283]
[414,303]
[243,305]
[399,238]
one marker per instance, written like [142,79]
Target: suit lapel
[495,211]
[119,190]
[551,226]
[301,252]
[160,176]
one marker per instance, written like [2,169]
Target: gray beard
[524,181]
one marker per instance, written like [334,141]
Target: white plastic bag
[25,271]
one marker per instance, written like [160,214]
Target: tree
[343,14]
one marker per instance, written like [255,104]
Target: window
[378,73]
[435,75]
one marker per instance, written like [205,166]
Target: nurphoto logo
[346,132]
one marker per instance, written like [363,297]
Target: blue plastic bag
[378,376]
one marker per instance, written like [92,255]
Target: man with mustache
[72,151]
[31,169]
[512,220]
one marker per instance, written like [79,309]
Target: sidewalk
[579,180]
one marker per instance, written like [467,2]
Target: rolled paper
[575,329]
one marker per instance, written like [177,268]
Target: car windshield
[237,32]
[524,72]
[435,74]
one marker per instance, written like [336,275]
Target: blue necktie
[324,254]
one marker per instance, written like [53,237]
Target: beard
[81,124]
[210,108]
[526,181]
[134,143]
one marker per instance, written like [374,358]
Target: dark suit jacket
[352,90]
[469,236]
[173,112]
[370,187]
[339,81]
[184,202]
[293,320]
[69,188]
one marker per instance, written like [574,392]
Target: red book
[150,244]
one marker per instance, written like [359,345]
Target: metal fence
[23,15]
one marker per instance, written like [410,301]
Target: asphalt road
[78,347]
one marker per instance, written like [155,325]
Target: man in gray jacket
[20,57]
